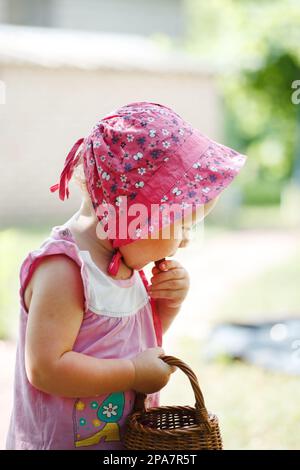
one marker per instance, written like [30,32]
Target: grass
[257,409]
[273,293]
[15,243]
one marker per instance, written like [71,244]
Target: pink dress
[119,322]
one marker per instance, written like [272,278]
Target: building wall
[142,17]
[48,109]
[3,11]
[27,12]
[123,16]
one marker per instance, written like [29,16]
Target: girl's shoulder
[51,274]
[56,257]
[102,294]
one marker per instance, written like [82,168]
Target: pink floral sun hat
[146,155]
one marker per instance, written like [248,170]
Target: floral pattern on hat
[146,153]
[127,148]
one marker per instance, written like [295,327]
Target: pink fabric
[146,153]
[156,319]
[41,421]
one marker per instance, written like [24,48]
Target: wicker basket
[173,427]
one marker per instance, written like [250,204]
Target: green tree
[254,48]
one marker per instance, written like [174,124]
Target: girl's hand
[170,281]
[151,372]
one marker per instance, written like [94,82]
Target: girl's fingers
[168,264]
[155,270]
[168,294]
[165,276]
[176,284]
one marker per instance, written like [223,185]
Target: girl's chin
[137,267]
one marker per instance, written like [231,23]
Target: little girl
[90,325]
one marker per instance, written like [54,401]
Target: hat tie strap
[114,265]
[67,171]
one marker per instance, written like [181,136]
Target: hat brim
[199,172]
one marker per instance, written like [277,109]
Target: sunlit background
[230,68]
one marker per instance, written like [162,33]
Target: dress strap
[156,317]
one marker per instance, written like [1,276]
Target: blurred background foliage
[254,47]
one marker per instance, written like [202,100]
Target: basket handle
[201,411]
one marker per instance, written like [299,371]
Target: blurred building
[59,82]
[142,17]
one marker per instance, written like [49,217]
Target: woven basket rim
[198,430]
[171,408]
[136,425]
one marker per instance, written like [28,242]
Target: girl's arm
[167,314]
[55,315]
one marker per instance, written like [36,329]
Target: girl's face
[141,252]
